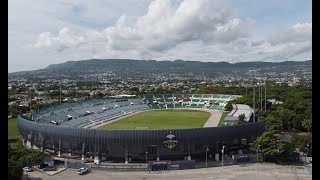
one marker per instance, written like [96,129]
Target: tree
[301,141]
[100,95]
[286,116]
[245,100]
[14,170]
[18,156]
[273,123]
[134,90]
[297,121]
[269,144]
[13,109]
[289,153]
[240,119]
[228,107]
[307,124]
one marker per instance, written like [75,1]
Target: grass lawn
[13,132]
[221,122]
[162,119]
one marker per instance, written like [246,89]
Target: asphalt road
[261,171]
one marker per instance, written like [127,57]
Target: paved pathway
[214,119]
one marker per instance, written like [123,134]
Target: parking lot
[262,171]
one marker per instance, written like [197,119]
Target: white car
[82,170]
[27,169]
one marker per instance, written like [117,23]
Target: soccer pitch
[162,119]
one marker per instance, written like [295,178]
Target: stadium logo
[170,141]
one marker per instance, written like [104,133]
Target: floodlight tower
[246,89]
[261,98]
[30,99]
[92,87]
[265,95]
[254,115]
[60,92]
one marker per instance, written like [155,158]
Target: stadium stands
[92,111]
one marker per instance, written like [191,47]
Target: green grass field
[221,122]
[162,119]
[13,132]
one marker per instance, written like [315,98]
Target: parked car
[27,169]
[43,165]
[49,168]
[82,170]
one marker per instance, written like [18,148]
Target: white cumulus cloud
[300,32]
[200,30]
[64,39]
[163,27]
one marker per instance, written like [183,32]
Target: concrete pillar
[189,157]
[23,141]
[28,144]
[83,148]
[82,157]
[126,159]
[59,152]
[217,157]
[240,152]
[34,146]
[66,164]
[158,154]
[69,154]
[96,160]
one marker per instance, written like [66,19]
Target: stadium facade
[65,129]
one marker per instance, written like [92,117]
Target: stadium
[71,128]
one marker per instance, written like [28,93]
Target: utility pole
[92,88]
[30,99]
[258,153]
[261,98]
[207,157]
[265,95]
[146,157]
[258,93]
[60,92]
[246,90]
[306,153]
[222,151]
[254,115]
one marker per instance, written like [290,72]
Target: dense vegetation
[293,116]
[19,156]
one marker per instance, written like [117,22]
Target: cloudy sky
[44,32]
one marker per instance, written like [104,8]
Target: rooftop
[237,110]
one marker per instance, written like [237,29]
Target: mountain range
[125,67]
